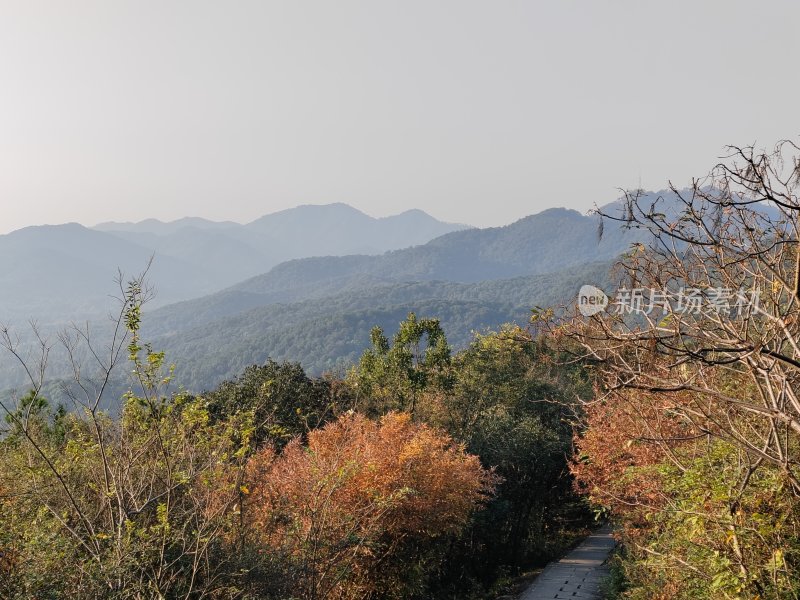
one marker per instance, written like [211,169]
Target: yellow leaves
[162,519]
[359,483]
[778,560]
[244,489]
[195,414]
[411,451]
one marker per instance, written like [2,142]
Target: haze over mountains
[307,230]
[59,271]
[343,273]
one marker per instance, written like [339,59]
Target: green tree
[283,401]
[34,411]
[393,377]
[512,404]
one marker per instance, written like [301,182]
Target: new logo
[591,300]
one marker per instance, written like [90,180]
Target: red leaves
[349,500]
[624,434]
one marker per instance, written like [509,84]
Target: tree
[283,401]
[392,377]
[511,403]
[708,370]
[34,411]
[126,506]
[360,509]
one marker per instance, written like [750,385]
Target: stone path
[578,575]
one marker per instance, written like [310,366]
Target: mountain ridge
[473,278]
[69,269]
[150,224]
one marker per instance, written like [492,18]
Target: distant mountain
[50,273]
[549,241]
[233,252]
[316,310]
[319,310]
[161,228]
[348,230]
[307,230]
[53,271]
[328,333]
[331,332]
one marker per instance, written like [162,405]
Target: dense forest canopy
[421,473]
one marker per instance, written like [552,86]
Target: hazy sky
[477,112]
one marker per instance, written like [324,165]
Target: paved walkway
[578,574]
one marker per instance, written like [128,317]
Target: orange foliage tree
[635,431]
[358,507]
[692,441]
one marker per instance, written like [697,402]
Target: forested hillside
[474,279]
[331,332]
[549,241]
[381,300]
[215,338]
[393,478]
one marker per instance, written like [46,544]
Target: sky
[478,112]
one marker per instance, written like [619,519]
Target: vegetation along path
[577,575]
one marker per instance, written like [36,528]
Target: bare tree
[711,306]
[134,489]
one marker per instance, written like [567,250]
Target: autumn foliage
[699,518]
[623,438]
[272,487]
[691,442]
[354,507]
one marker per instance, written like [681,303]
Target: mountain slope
[154,226]
[339,229]
[57,271]
[307,230]
[331,332]
[549,241]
